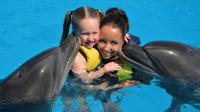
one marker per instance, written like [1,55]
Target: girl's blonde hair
[75,16]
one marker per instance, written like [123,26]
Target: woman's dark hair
[121,13]
[117,18]
[75,16]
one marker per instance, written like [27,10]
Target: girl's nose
[91,37]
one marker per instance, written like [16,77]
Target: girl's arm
[79,69]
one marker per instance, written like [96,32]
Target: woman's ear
[123,40]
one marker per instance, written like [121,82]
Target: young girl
[85,24]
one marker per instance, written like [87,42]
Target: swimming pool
[30,27]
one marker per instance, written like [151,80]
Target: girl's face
[88,30]
[110,42]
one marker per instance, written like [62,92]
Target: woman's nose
[107,47]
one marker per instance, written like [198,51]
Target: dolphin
[175,65]
[41,78]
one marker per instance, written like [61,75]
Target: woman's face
[88,30]
[110,42]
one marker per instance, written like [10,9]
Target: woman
[113,31]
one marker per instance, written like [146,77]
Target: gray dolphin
[41,78]
[176,65]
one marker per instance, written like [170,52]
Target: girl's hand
[111,66]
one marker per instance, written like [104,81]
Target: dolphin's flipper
[42,77]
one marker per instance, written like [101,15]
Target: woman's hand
[111,66]
[127,37]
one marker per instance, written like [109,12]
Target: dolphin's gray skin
[176,65]
[41,78]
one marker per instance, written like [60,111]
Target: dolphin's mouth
[135,56]
[70,48]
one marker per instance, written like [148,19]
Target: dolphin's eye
[20,73]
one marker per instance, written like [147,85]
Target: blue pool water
[30,27]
